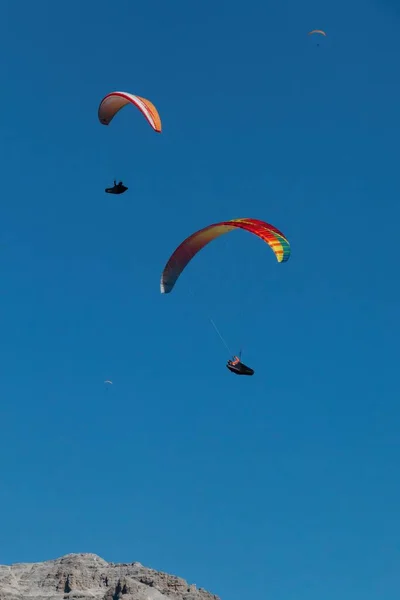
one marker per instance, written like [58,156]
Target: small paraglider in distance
[118,188]
[317,31]
[236,366]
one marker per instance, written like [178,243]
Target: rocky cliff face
[84,576]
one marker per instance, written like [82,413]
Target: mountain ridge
[84,576]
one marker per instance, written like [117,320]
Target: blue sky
[284,485]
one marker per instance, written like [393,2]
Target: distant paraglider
[317,32]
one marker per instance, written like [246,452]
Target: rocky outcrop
[87,576]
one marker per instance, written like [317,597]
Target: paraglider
[111,104]
[318,32]
[194,243]
[118,188]
[107,384]
[236,366]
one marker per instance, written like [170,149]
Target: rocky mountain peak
[87,576]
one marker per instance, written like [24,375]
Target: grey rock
[87,576]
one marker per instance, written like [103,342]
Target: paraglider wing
[113,102]
[108,381]
[191,246]
[317,31]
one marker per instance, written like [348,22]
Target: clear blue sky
[284,485]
